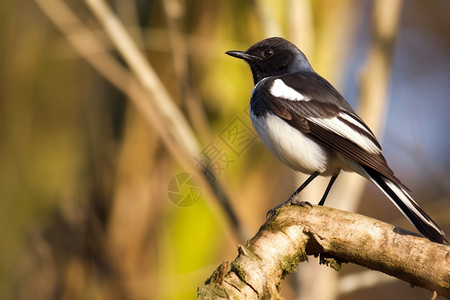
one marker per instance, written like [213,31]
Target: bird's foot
[293,201]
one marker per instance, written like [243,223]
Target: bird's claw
[272,212]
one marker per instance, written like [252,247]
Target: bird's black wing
[310,104]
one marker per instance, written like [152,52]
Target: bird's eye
[267,53]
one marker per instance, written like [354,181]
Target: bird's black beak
[242,55]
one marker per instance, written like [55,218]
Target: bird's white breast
[289,145]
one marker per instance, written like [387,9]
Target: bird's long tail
[406,204]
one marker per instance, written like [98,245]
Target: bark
[336,236]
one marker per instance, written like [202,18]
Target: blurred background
[100,199]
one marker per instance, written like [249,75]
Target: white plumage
[337,126]
[281,90]
[289,145]
[291,120]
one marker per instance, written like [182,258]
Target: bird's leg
[330,184]
[292,200]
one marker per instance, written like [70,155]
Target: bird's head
[273,56]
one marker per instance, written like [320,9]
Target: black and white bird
[307,124]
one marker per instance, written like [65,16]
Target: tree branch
[337,236]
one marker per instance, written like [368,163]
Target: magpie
[309,126]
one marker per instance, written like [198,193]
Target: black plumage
[307,124]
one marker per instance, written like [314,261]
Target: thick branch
[337,236]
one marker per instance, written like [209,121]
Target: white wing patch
[354,122]
[337,126]
[281,90]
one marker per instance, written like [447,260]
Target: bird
[308,125]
